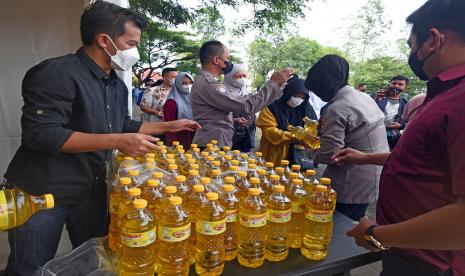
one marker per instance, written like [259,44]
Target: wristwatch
[372,240]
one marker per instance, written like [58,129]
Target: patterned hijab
[182,97]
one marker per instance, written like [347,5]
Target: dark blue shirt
[62,95]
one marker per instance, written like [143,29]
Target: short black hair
[104,17]
[401,78]
[441,14]
[167,70]
[210,49]
[361,84]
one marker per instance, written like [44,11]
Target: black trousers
[397,265]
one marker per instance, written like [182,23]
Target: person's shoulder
[53,64]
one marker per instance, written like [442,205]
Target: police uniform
[213,104]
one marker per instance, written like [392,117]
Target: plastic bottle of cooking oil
[127,164]
[206,181]
[274,180]
[182,188]
[244,160]
[136,180]
[192,204]
[117,194]
[209,165]
[227,163]
[297,195]
[172,149]
[216,181]
[227,150]
[174,228]
[302,135]
[152,194]
[283,180]
[173,170]
[260,160]
[196,154]
[159,177]
[293,176]
[318,224]
[194,167]
[233,170]
[265,182]
[332,193]
[216,165]
[138,235]
[285,165]
[310,181]
[160,159]
[16,207]
[126,204]
[276,229]
[311,126]
[193,179]
[255,183]
[252,171]
[167,192]
[231,205]
[269,167]
[210,227]
[252,220]
[236,154]
[296,169]
[242,184]
[192,147]
[252,161]
[215,145]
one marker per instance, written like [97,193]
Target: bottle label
[174,234]
[3,211]
[138,239]
[231,215]
[253,220]
[319,215]
[210,227]
[279,216]
[298,207]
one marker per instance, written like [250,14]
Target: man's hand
[358,233]
[183,124]
[136,144]
[394,125]
[281,77]
[350,155]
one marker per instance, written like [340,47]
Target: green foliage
[208,24]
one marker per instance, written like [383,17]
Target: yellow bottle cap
[191,161]
[212,196]
[297,181]
[254,180]
[228,157]
[172,167]
[134,192]
[235,162]
[236,151]
[175,143]
[229,180]
[128,158]
[227,148]
[160,143]
[269,164]
[274,177]
[198,188]
[261,172]
[193,172]
[180,178]
[139,203]
[179,147]
[244,156]
[204,154]
[150,155]
[170,161]
[181,151]
[124,180]
[216,163]
[293,175]
[258,154]
[164,151]
[170,189]
[153,182]
[196,150]
[325,180]
[164,147]
[310,172]
[278,188]
[228,188]
[295,167]
[252,166]
[170,156]
[194,166]
[253,191]
[188,156]
[133,173]
[193,146]
[279,169]
[210,158]
[216,172]
[149,165]
[214,142]
[175,200]
[49,201]
[209,146]
[205,180]
[157,175]
[221,153]
[234,168]
[284,162]
[251,161]
[242,173]
[321,188]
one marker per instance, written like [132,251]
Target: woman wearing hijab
[350,119]
[178,106]
[244,124]
[277,142]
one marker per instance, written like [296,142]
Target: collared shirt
[62,95]
[155,98]
[426,170]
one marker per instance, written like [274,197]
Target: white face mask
[186,88]
[172,82]
[123,60]
[294,102]
[238,83]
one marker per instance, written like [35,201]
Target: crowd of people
[406,155]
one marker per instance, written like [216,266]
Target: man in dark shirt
[75,112]
[421,207]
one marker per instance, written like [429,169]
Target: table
[343,255]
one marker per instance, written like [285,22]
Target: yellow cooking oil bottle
[332,193]
[276,229]
[269,167]
[17,206]
[135,179]
[174,228]
[138,235]
[242,184]
[255,183]
[117,194]
[210,226]
[296,169]
[159,177]
[310,181]
[297,195]
[182,188]
[193,178]
[283,179]
[266,185]
[192,204]
[230,203]
[168,192]
[230,180]
[260,159]
[216,181]
[318,224]
[152,194]
[124,206]
[252,222]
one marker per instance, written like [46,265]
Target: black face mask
[417,65]
[394,92]
[228,68]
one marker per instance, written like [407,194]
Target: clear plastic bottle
[138,235]
[210,227]
[216,181]
[174,228]
[285,165]
[123,208]
[17,207]
[233,170]
[252,219]
[173,170]
[251,161]
[194,178]
[237,155]
[192,147]
[296,169]
[215,145]
[172,149]
[159,177]
[195,199]
[332,193]
[266,185]
[244,158]
[183,189]
[152,194]
[168,192]
[160,159]
[297,195]
[260,161]
[242,184]
[117,194]
[318,224]
[255,183]
[283,180]
[276,229]
[227,150]
[252,171]
[269,167]
[301,134]
[310,181]
[231,205]
[135,178]
[226,165]
[196,154]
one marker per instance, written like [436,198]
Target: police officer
[213,104]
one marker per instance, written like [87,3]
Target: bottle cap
[170,161]
[274,177]
[170,156]
[252,166]
[180,178]
[284,162]
[254,180]
[258,154]
[193,172]
[198,188]
[124,180]
[188,156]
[194,166]
[196,150]
[215,172]
[190,160]
[229,180]
[228,157]
[160,143]
[133,173]
[279,169]
[228,188]
[321,188]
[157,175]
[242,173]
[172,167]
[295,167]
[171,189]
[149,164]
[134,192]
[216,163]
[164,151]
[235,162]
[175,200]
[251,161]
[181,151]
[297,181]
[278,188]
[214,142]
[210,158]
[244,156]
[236,151]
[49,201]
[139,203]
[293,175]
[212,196]
[261,172]
[325,180]
[227,148]
[209,146]
[269,164]
[153,182]
[221,153]
[175,143]
[193,146]
[253,191]
[128,158]
[204,154]
[234,168]
[150,155]
[205,180]
[310,172]
[179,147]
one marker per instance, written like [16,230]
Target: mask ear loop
[114,45]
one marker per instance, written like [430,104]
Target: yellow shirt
[275,142]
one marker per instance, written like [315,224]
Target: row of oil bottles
[163,221]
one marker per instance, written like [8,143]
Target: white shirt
[391,110]
[316,103]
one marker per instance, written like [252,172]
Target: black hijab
[286,115]
[327,76]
